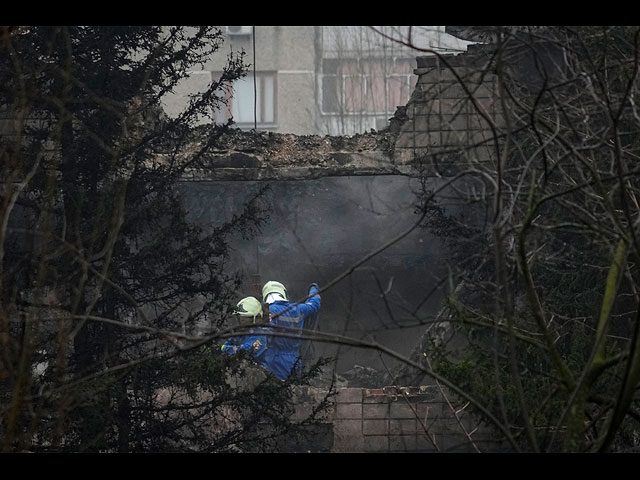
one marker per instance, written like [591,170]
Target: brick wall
[451,110]
[406,419]
[401,419]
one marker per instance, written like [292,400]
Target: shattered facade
[440,117]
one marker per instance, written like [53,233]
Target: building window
[365,86]
[248,106]
[239,30]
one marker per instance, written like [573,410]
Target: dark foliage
[532,278]
[103,279]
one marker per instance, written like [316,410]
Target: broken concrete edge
[289,173]
[358,394]
[272,143]
[241,154]
[336,159]
[397,390]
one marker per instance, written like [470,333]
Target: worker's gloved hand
[313,285]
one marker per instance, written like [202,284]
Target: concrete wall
[289,48]
[288,52]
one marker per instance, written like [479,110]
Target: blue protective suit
[282,353]
[254,342]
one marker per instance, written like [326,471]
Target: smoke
[319,228]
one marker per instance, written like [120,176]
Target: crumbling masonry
[441,116]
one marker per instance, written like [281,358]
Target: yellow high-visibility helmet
[273,287]
[249,307]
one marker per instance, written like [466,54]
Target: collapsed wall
[263,156]
[350,196]
[336,199]
[424,419]
[451,112]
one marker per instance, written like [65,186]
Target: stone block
[478,122]
[481,137]
[431,61]
[375,427]
[455,138]
[454,106]
[485,90]
[301,411]
[403,426]
[427,90]
[428,106]
[376,443]
[349,395]
[429,78]
[427,411]
[499,120]
[405,140]
[456,444]
[403,156]
[453,90]
[401,409]
[347,436]
[375,410]
[418,139]
[402,443]
[487,105]
[374,396]
[347,427]
[425,443]
[438,75]
[348,410]
[428,123]
[455,122]
[451,426]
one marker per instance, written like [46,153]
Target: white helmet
[273,288]
[249,307]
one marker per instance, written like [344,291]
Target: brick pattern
[405,419]
[451,111]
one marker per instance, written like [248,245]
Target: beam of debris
[250,155]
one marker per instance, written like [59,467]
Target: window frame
[339,95]
[259,123]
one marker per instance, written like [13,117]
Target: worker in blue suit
[247,310]
[282,355]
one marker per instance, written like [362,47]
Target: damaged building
[334,201]
[348,146]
